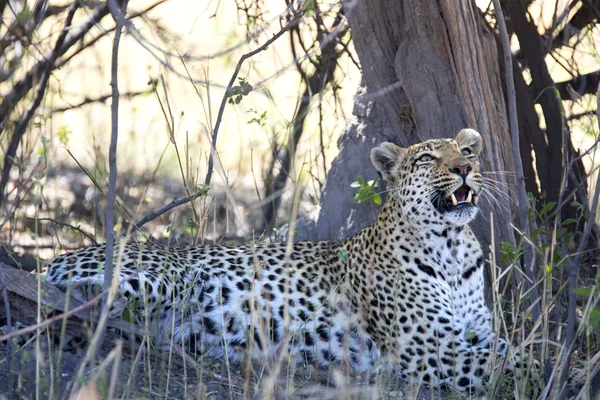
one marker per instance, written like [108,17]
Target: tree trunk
[430,68]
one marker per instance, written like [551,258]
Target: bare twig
[161,211]
[23,190]
[520,179]
[112,157]
[101,99]
[557,21]
[22,87]
[315,83]
[37,100]
[44,67]
[82,46]
[76,228]
[580,115]
[293,22]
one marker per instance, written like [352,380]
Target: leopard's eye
[466,152]
[425,158]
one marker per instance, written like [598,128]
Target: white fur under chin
[461,216]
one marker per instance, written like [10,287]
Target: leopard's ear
[470,138]
[385,158]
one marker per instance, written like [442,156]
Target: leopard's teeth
[453,198]
[469,196]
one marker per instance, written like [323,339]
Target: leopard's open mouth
[460,198]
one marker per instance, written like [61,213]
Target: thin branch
[581,115]
[294,21]
[323,74]
[520,179]
[101,99]
[112,155]
[23,189]
[76,228]
[582,84]
[22,87]
[104,33]
[23,30]
[558,21]
[24,122]
[151,47]
[175,203]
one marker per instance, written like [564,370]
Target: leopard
[405,294]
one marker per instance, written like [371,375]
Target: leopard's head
[436,177]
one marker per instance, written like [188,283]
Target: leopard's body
[405,293]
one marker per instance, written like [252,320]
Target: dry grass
[140,368]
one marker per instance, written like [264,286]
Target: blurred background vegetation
[177,58]
[173,74]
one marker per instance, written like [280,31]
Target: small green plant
[366,191]
[309,8]
[202,190]
[508,251]
[63,135]
[24,15]
[190,226]
[260,119]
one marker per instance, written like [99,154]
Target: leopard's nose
[461,169]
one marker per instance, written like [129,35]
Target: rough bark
[429,69]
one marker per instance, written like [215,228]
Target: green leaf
[309,8]
[230,92]
[246,88]
[583,291]
[569,221]
[547,207]
[343,255]
[530,196]
[63,135]
[536,232]
[595,317]
[364,191]
[25,14]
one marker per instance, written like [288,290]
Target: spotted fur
[405,293]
